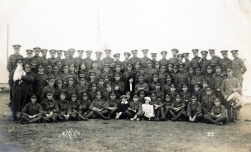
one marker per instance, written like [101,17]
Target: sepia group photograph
[128,75]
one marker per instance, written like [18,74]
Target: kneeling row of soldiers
[153,108]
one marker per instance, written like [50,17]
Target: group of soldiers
[63,87]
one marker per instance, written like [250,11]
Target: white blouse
[148,109]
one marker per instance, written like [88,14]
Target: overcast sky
[126,25]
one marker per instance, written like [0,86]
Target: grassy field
[123,135]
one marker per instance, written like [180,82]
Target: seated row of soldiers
[135,108]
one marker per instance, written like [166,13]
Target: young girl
[148,109]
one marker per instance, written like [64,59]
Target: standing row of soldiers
[74,77]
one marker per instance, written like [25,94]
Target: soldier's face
[157,87]
[59,64]
[163,55]
[71,68]
[40,70]
[181,68]
[55,70]
[193,100]
[191,71]
[118,69]
[62,97]
[101,83]
[235,55]
[36,53]
[112,96]
[205,85]
[155,79]
[212,54]
[196,89]
[145,54]
[33,101]
[172,89]
[59,85]
[149,65]
[66,55]
[208,92]
[141,79]
[126,57]
[135,99]
[117,58]
[197,71]
[174,53]
[204,56]
[51,83]
[53,54]
[16,50]
[217,103]
[73,98]
[163,69]
[85,97]
[170,68]
[94,88]
[88,54]
[134,54]
[49,96]
[157,66]
[142,94]
[168,79]
[129,68]
[49,68]
[175,70]
[70,82]
[27,68]
[184,89]
[59,54]
[153,97]
[82,82]
[230,73]
[107,53]
[98,56]
[65,70]
[117,78]
[80,54]
[106,69]
[177,99]
[154,58]
[186,57]
[168,98]
[108,88]
[44,54]
[195,53]
[209,70]
[94,66]
[98,96]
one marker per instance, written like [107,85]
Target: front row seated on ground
[51,110]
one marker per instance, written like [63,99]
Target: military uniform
[195,62]
[204,62]
[107,59]
[40,82]
[207,102]
[225,62]
[31,109]
[215,60]
[134,58]
[182,78]
[64,108]
[194,109]
[36,58]
[238,67]
[187,62]
[49,106]
[142,86]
